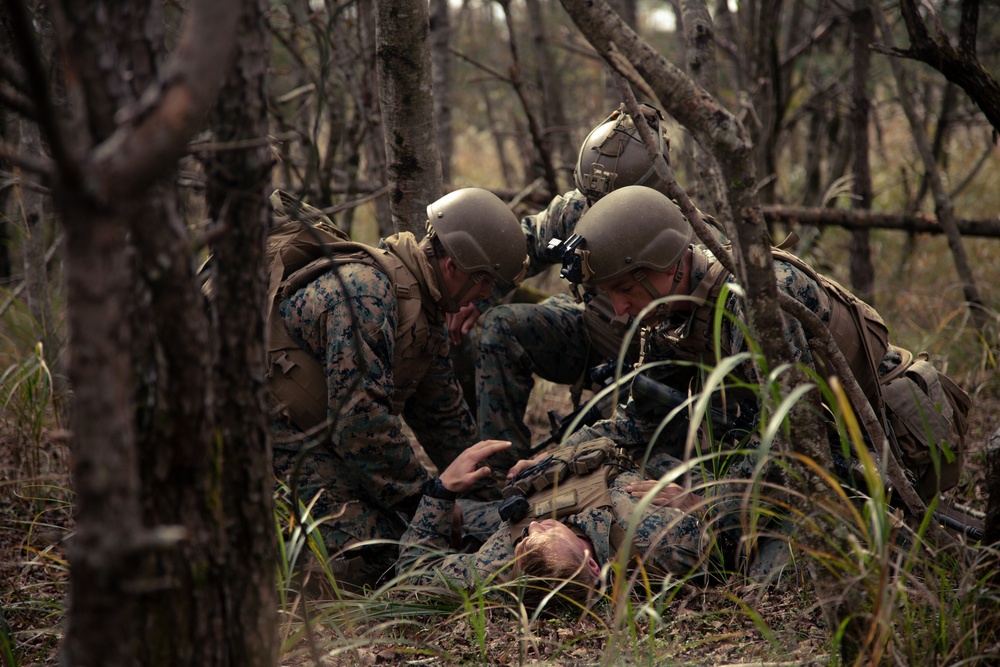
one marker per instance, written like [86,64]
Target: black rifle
[601,375]
[740,420]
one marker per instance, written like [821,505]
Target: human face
[629,296]
[559,538]
[456,280]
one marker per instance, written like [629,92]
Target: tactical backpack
[303,245]
[566,483]
[923,411]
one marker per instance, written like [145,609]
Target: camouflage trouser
[548,339]
[346,517]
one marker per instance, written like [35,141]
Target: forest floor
[720,625]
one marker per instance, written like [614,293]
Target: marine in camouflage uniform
[662,251]
[362,471]
[669,540]
[552,339]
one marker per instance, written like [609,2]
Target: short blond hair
[535,557]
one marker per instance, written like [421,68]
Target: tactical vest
[304,245]
[567,483]
[920,408]
[855,326]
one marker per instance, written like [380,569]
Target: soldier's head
[556,556]
[477,240]
[613,155]
[632,245]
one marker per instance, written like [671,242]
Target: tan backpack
[303,245]
[923,411]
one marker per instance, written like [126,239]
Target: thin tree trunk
[404,71]
[36,277]
[943,206]
[862,34]
[441,66]
[237,196]
[699,36]
[375,168]
[499,142]
[538,140]
[555,126]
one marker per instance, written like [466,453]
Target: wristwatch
[435,489]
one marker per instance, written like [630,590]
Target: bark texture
[403,60]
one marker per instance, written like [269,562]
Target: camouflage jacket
[632,429]
[348,319]
[667,539]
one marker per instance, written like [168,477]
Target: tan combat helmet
[480,233]
[632,228]
[613,155]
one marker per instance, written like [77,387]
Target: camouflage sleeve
[669,539]
[350,324]
[438,414]
[426,557]
[558,220]
[800,287]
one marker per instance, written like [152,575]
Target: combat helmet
[613,155]
[480,233]
[655,235]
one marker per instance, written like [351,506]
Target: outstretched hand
[465,471]
[672,495]
[461,323]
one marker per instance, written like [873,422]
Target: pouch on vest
[565,483]
[927,415]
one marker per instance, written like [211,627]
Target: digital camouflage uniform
[632,428]
[669,540]
[518,340]
[365,470]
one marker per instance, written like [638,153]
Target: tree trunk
[555,130]
[374,149]
[36,277]
[237,196]
[699,36]
[943,206]
[862,34]
[404,71]
[105,166]
[542,150]
[441,66]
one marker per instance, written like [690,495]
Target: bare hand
[461,323]
[523,465]
[672,495]
[464,472]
